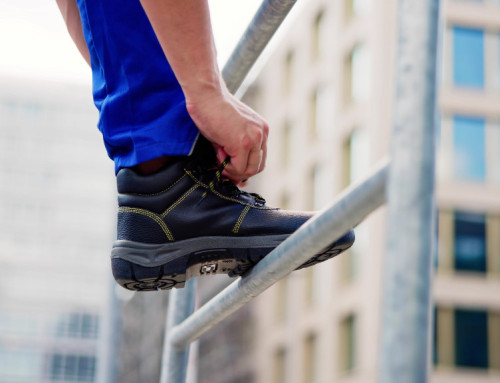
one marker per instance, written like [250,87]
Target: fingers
[220,154]
[254,162]
[252,165]
[235,130]
[264,154]
[244,166]
[249,161]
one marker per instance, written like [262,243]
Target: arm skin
[184,31]
[71,16]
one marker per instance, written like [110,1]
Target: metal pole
[349,210]
[406,309]
[266,21]
[175,359]
[263,26]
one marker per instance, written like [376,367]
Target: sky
[34,42]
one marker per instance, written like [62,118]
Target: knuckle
[247,142]
[259,137]
[265,128]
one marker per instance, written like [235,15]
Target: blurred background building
[327,91]
[326,87]
[56,211]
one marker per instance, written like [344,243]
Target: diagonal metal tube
[260,30]
[350,209]
[266,21]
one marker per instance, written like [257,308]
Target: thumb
[221,154]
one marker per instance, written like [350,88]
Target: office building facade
[327,91]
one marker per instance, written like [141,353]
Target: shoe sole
[147,267]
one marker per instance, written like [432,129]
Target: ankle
[151,166]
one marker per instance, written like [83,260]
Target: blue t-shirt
[142,109]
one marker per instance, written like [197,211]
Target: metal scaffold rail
[316,234]
[406,311]
[265,23]
[406,184]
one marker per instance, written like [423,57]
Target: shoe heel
[140,278]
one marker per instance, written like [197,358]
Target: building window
[466,338]
[322,187]
[469,148]
[471,338]
[319,35]
[288,72]
[310,359]
[78,325]
[313,112]
[314,290]
[348,267]
[470,242]
[286,148]
[309,285]
[281,306]
[321,107]
[73,368]
[358,79]
[90,326]
[348,343]
[356,156]
[468,57]
[279,366]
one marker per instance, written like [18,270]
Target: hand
[184,32]
[234,130]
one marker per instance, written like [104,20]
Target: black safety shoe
[185,221]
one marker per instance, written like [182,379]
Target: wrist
[203,87]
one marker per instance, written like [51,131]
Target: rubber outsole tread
[234,262]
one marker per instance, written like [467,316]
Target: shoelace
[218,176]
[217,180]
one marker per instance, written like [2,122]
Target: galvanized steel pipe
[351,208]
[406,310]
[181,304]
[266,21]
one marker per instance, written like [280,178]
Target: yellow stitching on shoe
[160,192]
[182,198]
[240,219]
[151,215]
[222,195]
[218,176]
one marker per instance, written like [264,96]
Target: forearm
[71,15]
[184,31]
